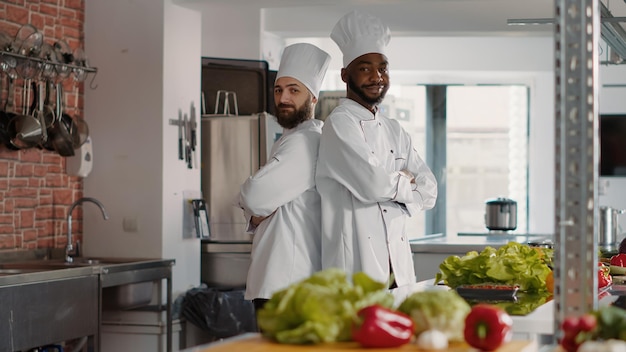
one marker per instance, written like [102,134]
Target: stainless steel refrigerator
[232,149]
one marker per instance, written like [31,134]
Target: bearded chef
[280,199]
[369,173]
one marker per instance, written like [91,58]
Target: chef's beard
[361,94]
[292,119]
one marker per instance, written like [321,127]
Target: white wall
[181,90]
[230,31]
[147,55]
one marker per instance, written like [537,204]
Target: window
[484,155]
[487,153]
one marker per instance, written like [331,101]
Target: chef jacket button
[380,124]
[391,151]
[402,238]
[384,210]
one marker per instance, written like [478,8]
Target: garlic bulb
[432,340]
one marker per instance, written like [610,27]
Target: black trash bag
[220,313]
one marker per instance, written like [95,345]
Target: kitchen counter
[466,242]
[256,343]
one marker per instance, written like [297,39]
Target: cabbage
[320,308]
[511,264]
[439,310]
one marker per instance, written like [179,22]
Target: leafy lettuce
[320,308]
[511,264]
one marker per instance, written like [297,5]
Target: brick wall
[35,191]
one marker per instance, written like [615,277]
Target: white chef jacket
[286,247]
[365,199]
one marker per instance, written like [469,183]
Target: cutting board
[256,343]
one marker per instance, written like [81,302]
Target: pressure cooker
[501,214]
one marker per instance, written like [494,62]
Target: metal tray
[490,292]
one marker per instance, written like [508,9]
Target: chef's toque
[358,33]
[306,63]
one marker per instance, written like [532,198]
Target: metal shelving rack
[576,37]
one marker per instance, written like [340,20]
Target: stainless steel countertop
[463,243]
[37,270]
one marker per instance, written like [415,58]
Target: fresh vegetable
[512,264]
[524,304]
[611,323]
[618,264]
[604,277]
[380,327]
[618,260]
[432,340]
[550,282]
[437,309]
[488,327]
[320,308]
[576,330]
[606,323]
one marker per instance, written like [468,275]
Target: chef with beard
[369,174]
[280,199]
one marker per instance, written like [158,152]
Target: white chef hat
[358,33]
[306,63]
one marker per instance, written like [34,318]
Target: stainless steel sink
[48,264]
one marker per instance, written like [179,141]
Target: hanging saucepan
[60,136]
[40,113]
[50,117]
[25,130]
[501,214]
[80,129]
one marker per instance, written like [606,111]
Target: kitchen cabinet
[29,312]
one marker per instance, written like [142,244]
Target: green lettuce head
[320,308]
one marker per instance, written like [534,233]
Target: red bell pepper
[380,327]
[619,259]
[604,277]
[574,329]
[487,327]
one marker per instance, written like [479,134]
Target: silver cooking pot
[501,214]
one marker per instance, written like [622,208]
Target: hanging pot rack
[75,68]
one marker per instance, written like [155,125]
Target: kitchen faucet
[70,247]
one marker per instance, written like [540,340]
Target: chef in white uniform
[280,199]
[369,173]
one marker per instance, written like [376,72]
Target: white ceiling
[307,18]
